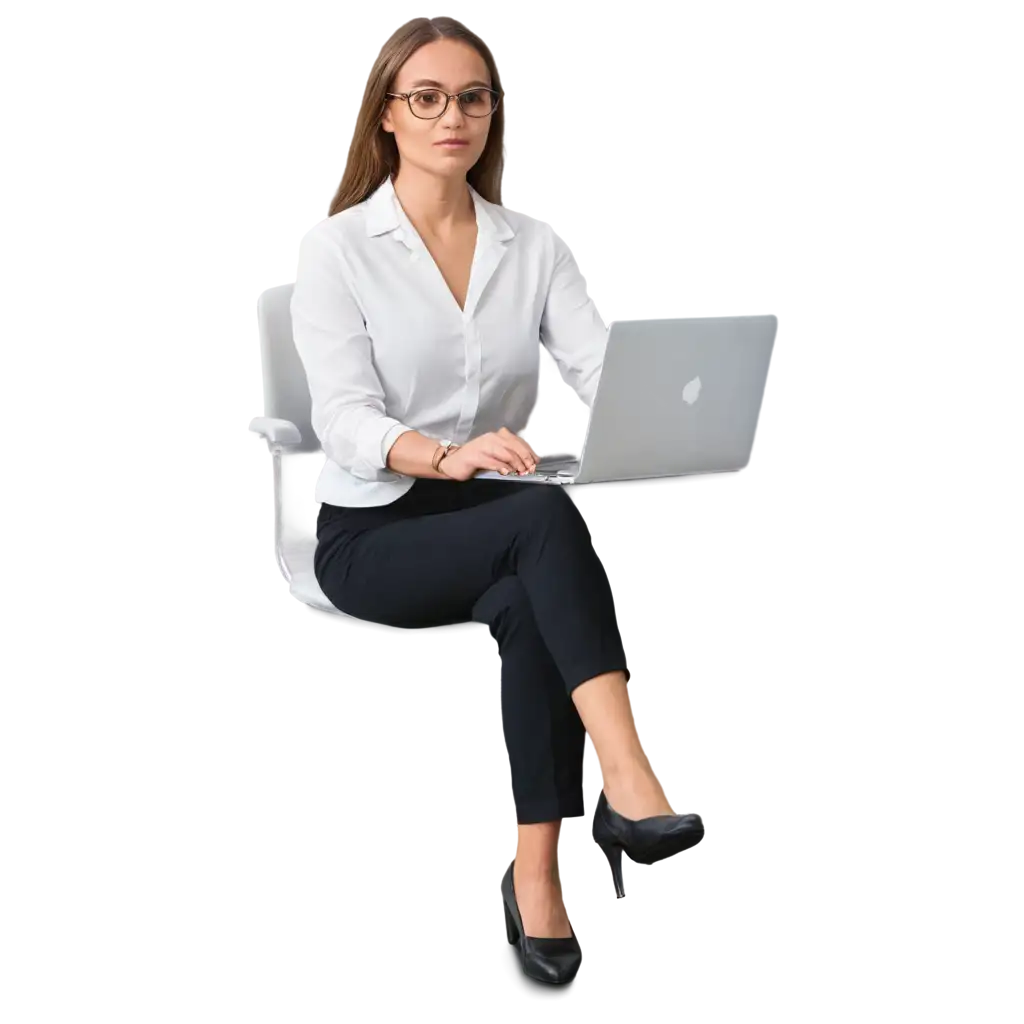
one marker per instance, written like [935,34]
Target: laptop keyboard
[556,462]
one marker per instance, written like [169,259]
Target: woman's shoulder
[342,228]
[332,238]
[530,229]
[520,218]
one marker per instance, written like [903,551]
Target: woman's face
[457,67]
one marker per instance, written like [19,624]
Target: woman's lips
[451,145]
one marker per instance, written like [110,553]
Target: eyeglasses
[424,103]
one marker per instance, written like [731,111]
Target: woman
[418,305]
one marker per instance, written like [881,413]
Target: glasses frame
[449,96]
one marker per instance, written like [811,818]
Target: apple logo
[691,391]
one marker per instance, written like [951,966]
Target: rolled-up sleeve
[348,414]
[571,328]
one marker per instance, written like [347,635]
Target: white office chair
[281,427]
[286,428]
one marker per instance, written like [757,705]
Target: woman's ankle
[537,850]
[636,792]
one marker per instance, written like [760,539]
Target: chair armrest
[283,433]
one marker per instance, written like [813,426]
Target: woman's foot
[633,816]
[539,895]
[635,793]
[547,952]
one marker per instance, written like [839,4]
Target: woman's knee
[506,599]
[547,504]
[509,614]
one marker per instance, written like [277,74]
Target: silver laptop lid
[677,396]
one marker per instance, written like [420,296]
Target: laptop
[674,397]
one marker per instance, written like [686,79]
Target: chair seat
[305,591]
[302,585]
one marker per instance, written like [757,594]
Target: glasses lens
[428,103]
[477,102]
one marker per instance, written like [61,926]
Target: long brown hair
[373,155]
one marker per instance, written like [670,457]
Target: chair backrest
[285,389]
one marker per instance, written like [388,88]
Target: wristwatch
[447,444]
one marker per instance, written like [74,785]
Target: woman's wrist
[414,454]
[445,451]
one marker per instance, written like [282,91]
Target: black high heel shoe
[656,842]
[545,959]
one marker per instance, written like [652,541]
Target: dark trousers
[516,556]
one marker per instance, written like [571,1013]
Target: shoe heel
[617,862]
[511,935]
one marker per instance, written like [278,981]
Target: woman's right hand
[500,450]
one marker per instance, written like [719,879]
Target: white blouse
[387,349]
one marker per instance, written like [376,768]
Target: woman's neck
[438,207]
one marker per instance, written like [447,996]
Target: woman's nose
[453,115]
